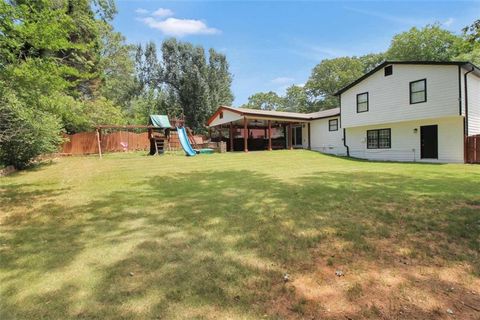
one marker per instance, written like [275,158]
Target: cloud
[317,53]
[389,17]
[141,11]
[447,23]
[282,80]
[180,27]
[163,13]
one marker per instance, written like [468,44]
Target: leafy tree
[181,82]
[371,61]
[53,72]
[219,80]
[431,43]
[297,100]
[471,45]
[25,133]
[472,32]
[331,75]
[264,101]
[118,67]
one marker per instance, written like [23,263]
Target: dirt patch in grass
[400,289]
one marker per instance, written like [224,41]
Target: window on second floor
[418,91]
[221,115]
[379,139]
[362,102]
[333,125]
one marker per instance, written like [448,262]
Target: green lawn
[211,237]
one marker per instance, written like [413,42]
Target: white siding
[228,116]
[389,96]
[405,143]
[473,87]
[324,140]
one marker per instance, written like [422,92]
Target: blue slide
[187,147]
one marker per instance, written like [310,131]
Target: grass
[211,237]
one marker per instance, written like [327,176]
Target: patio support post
[231,137]
[245,135]
[290,137]
[269,135]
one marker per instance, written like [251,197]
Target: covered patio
[248,129]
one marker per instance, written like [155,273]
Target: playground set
[159,134]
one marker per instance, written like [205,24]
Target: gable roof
[277,114]
[385,63]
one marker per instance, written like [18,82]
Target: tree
[471,45]
[185,70]
[296,100]
[331,75]
[430,43]
[25,133]
[117,67]
[219,80]
[472,32]
[371,61]
[264,101]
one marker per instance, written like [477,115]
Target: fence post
[98,142]
[475,138]
[465,149]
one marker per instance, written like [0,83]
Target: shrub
[25,133]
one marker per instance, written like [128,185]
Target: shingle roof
[279,114]
[385,63]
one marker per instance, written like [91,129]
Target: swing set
[159,136]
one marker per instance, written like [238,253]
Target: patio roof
[280,115]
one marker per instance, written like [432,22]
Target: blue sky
[273,44]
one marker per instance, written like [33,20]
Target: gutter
[466,99]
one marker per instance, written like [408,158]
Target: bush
[25,133]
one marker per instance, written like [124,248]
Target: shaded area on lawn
[216,244]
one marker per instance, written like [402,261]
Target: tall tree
[331,75]
[297,100]
[471,46]
[219,80]
[117,67]
[264,101]
[431,43]
[185,70]
[472,32]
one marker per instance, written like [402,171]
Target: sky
[271,45]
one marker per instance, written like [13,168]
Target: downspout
[466,99]
[466,116]
[344,131]
[345,142]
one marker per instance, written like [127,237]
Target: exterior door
[297,136]
[429,142]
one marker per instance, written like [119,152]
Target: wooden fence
[472,149]
[86,142]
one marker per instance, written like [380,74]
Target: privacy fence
[118,141]
[472,149]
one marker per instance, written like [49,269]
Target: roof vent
[388,70]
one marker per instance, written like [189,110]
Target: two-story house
[399,111]
[412,111]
